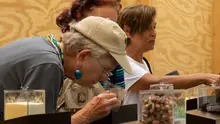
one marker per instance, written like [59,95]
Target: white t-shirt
[139,70]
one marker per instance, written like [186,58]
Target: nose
[154,33]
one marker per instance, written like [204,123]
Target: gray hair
[75,41]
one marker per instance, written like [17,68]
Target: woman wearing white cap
[70,93]
[87,54]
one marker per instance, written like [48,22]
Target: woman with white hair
[86,54]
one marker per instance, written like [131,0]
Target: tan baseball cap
[106,34]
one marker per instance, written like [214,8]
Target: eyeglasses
[108,74]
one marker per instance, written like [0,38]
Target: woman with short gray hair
[86,54]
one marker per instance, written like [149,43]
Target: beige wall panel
[184,36]
[216,37]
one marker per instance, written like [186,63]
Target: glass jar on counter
[18,103]
[36,102]
[209,99]
[15,104]
[177,97]
[179,104]
[156,107]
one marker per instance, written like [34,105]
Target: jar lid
[161,86]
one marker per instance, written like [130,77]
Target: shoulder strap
[148,64]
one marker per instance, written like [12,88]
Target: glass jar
[15,104]
[209,99]
[119,94]
[156,107]
[161,86]
[36,102]
[179,104]
[18,103]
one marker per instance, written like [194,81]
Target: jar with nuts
[179,104]
[156,107]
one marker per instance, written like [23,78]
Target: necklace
[54,42]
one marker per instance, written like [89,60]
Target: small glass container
[18,103]
[209,99]
[36,102]
[119,94]
[15,104]
[119,91]
[179,104]
[156,107]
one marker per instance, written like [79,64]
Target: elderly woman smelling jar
[86,54]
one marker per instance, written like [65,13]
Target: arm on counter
[179,82]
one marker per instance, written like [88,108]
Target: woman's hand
[211,79]
[99,107]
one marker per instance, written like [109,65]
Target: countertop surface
[203,114]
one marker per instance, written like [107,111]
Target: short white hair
[75,42]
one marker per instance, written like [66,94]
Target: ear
[119,6]
[82,56]
[78,16]
[127,31]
